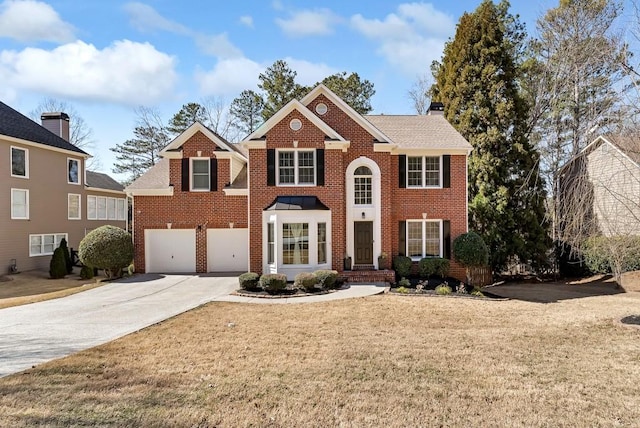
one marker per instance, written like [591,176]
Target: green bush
[273,282]
[402,290]
[402,266]
[305,281]
[327,279]
[57,266]
[107,247]
[249,281]
[404,282]
[443,289]
[86,272]
[470,250]
[67,256]
[434,266]
[603,252]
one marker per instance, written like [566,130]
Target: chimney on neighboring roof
[436,109]
[56,122]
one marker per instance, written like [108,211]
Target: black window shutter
[213,164]
[185,174]
[271,167]
[446,171]
[402,171]
[446,236]
[402,238]
[320,167]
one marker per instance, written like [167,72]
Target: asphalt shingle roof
[15,124]
[156,177]
[100,180]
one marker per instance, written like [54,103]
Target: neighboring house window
[271,244]
[19,162]
[362,186]
[295,243]
[19,204]
[43,245]
[296,167]
[423,171]
[73,207]
[200,174]
[424,238]
[73,171]
[322,242]
[104,208]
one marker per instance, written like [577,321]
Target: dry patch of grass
[380,361]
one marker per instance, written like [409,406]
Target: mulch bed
[631,319]
[284,294]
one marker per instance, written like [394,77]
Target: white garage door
[170,250]
[228,250]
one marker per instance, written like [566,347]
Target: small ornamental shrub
[86,272]
[249,281]
[402,290]
[443,289]
[326,278]
[477,293]
[57,266]
[402,266]
[67,255]
[404,282]
[305,281]
[470,250]
[433,266]
[107,247]
[273,282]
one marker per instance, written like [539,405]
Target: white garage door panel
[170,250]
[227,250]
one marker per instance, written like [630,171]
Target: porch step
[369,275]
[364,267]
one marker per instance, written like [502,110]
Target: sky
[105,58]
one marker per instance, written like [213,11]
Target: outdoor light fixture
[168,225]
[230,225]
[363,214]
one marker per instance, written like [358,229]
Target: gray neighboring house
[48,193]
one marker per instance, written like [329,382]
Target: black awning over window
[284,203]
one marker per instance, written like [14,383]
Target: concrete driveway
[39,332]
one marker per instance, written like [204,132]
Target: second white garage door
[227,250]
[170,250]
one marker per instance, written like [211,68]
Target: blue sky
[107,57]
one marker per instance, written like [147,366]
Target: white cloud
[218,45]
[410,39]
[309,73]
[229,77]
[144,18]
[29,20]
[125,72]
[247,21]
[318,22]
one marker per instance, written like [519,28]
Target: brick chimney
[56,122]
[436,109]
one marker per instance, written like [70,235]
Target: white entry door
[170,250]
[227,250]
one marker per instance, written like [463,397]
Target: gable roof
[627,145]
[217,139]
[420,131]
[16,125]
[100,180]
[284,111]
[156,177]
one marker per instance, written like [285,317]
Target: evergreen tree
[246,109]
[352,90]
[137,155]
[279,84]
[186,116]
[478,82]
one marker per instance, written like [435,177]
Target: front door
[363,232]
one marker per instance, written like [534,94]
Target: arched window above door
[362,178]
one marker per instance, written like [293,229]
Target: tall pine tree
[478,82]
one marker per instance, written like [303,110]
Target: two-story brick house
[314,185]
[47,194]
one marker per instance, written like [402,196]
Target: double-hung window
[104,208]
[295,243]
[424,238]
[44,244]
[200,174]
[73,206]
[424,171]
[19,204]
[73,171]
[296,167]
[19,162]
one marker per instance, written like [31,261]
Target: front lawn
[378,361]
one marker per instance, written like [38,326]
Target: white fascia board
[236,192]
[168,191]
[44,146]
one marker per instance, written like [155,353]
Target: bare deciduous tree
[419,94]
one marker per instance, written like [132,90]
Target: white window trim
[95,207]
[424,173]
[42,235]
[118,216]
[208,189]
[370,177]
[424,240]
[296,167]
[79,197]
[79,171]
[26,162]
[26,191]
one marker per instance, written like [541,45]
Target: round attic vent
[321,108]
[295,124]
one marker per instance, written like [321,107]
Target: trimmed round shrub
[326,278]
[434,266]
[404,283]
[443,290]
[67,255]
[249,281]
[273,282]
[402,266]
[107,247]
[86,272]
[470,250]
[57,266]
[305,281]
